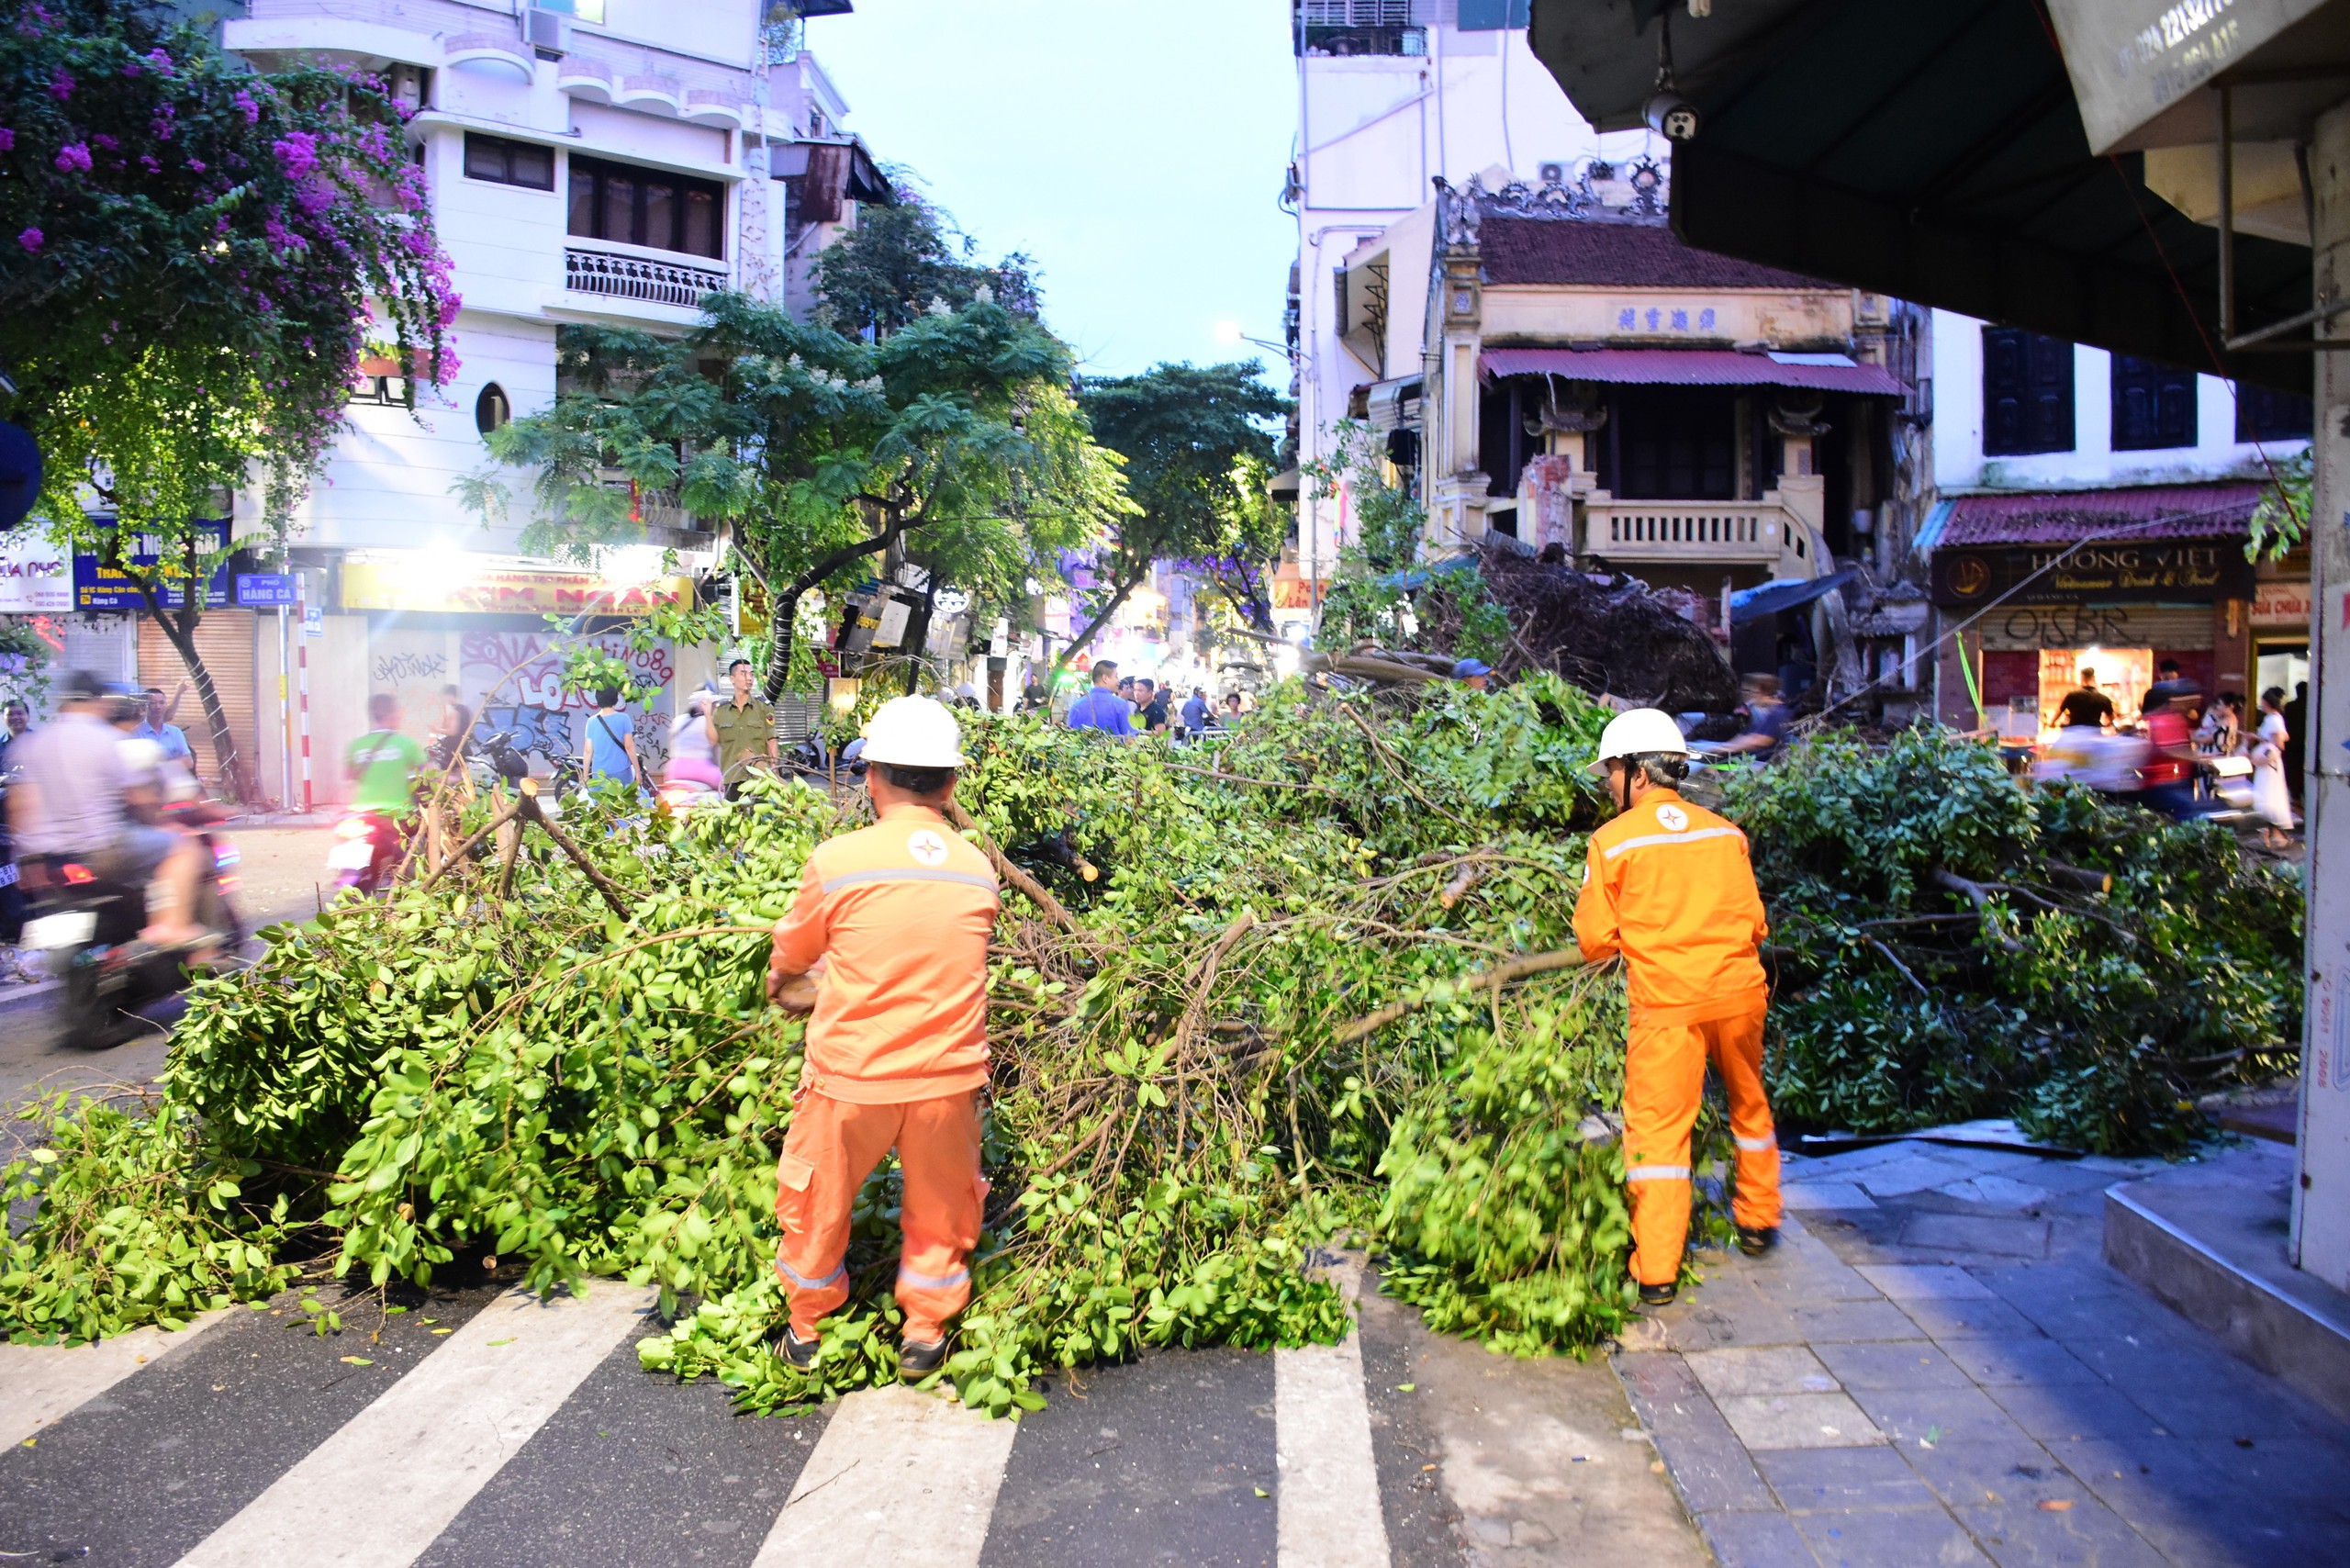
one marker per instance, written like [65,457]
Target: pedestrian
[1233,708]
[2219,732]
[452,736]
[156,725]
[20,719]
[1669,887]
[609,749]
[1153,706]
[1767,719]
[1198,712]
[2166,777]
[2086,706]
[1102,708]
[741,731]
[692,758]
[1473,672]
[900,914]
[2269,796]
[2296,718]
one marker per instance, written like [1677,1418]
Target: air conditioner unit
[1552,174]
[546,32]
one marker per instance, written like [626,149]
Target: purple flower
[61,84]
[159,61]
[30,238]
[103,139]
[147,161]
[7,139]
[297,153]
[131,68]
[196,165]
[315,197]
[244,101]
[72,158]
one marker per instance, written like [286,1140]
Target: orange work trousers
[832,1147]
[1664,1079]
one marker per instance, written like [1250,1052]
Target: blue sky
[1135,150]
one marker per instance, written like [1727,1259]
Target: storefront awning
[2067,517]
[1696,367]
[1785,593]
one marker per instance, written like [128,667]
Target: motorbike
[367,848]
[88,926]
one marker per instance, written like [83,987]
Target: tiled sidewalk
[1936,1368]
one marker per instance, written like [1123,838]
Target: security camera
[1673,117]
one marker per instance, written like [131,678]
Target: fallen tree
[1241,1003]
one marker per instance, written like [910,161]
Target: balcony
[1765,532]
[618,276]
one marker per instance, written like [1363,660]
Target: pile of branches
[1612,635]
[1317,980]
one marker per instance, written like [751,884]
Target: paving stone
[2074,1413]
[1809,1480]
[2004,1470]
[1937,1414]
[1915,1175]
[1832,1321]
[1809,1283]
[2308,1468]
[1891,1538]
[2036,1360]
[1804,1196]
[1999,1234]
[1842,1167]
[2194,1534]
[1798,1420]
[2002,1192]
[2139,1474]
[1711,1321]
[1756,1538]
[1906,1282]
[1970,1319]
[2194,1394]
[1790,1369]
[2083,1530]
[1897,1364]
[1707,1464]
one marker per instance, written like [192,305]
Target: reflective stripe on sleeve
[908,874]
[1657,1173]
[1648,838]
[933,1282]
[1753,1145]
[792,1276]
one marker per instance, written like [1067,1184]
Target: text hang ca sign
[2193,570]
[101,586]
[502,590]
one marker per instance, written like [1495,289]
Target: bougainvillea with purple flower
[202,254]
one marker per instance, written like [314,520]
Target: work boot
[917,1360]
[1756,1239]
[795,1352]
[1659,1295]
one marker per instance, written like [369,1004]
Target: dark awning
[1926,149]
[1696,367]
[1785,593]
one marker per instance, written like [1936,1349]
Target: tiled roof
[1627,253]
[2153,511]
[1692,367]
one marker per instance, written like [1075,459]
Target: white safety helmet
[1641,732]
[915,732]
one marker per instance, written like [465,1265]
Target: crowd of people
[2184,757]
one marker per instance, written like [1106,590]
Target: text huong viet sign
[2198,570]
[492,589]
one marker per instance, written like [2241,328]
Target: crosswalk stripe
[40,1382]
[1329,1510]
[903,1476]
[378,1491]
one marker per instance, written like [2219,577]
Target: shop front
[2036,594]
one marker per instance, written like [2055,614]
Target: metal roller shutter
[224,639]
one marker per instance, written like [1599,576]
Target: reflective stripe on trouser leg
[938,1152]
[1664,1077]
[1736,1045]
[828,1153]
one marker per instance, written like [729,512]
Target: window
[1671,443]
[385,391]
[491,410]
[2266,414]
[507,162]
[2154,405]
[2027,393]
[645,206]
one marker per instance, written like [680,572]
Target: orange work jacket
[900,912]
[1669,886]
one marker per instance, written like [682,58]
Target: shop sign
[492,589]
[265,590]
[99,587]
[2281,604]
[2199,569]
[36,578]
[2021,628]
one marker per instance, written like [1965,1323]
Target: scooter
[87,927]
[367,849]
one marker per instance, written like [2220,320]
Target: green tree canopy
[883,274]
[1197,451]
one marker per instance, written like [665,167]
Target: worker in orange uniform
[1669,885]
[900,914]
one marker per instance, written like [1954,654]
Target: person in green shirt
[741,728]
[383,763]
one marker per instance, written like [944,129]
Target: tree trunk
[786,604]
[1245,588]
[918,633]
[235,777]
[1093,628]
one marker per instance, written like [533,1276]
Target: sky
[1134,152]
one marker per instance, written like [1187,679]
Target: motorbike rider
[383,764]
[74,798]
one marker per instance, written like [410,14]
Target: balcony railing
[636,277]
[1753,533]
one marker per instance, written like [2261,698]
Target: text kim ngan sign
[97,587]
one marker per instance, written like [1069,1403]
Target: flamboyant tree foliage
[882,274]
[820,451]
[194,258]
[1198,448]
